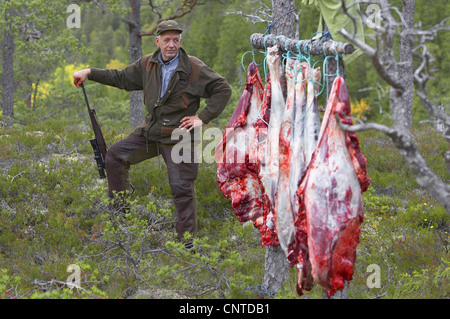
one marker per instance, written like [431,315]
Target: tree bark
[283,22]
[402,113]
[7,80]
[135,53]
[276,268]
[402,71]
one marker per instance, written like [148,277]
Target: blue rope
[271,25]
[242,59]
[302,46]
[325,62]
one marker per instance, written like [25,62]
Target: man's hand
[80,76]
[190,122]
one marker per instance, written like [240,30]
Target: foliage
[42,41]
[360,109]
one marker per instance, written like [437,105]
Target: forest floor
[57,227]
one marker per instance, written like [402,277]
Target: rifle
[98,143]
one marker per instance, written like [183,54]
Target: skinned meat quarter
[238,155]
[328,221]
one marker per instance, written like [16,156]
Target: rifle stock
[98,143]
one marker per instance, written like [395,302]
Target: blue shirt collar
[168,62]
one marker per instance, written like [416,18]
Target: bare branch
[186,7]
[421,75]
[127,21]
[262,13]
[383,58]
[380,92]
[103,7]
[385,70]
[425,177]
[367,49]
[29,32]
[252,18]
[353,18]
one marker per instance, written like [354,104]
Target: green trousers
[135,149]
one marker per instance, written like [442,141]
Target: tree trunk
[7,80]
[135,53]
[284,24]
[402,109]
[403,73]
[276,268]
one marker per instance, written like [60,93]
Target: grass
[54,212]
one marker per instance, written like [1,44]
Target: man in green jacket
[173,84]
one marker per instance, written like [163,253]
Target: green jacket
[191,80]
[333,16]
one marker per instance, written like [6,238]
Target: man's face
[169,42]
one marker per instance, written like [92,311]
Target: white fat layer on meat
[298,163]
[283,208]
[270,163]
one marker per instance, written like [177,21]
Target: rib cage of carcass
[239,156]
[298,179]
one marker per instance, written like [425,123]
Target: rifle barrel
[98,143]
[85,97]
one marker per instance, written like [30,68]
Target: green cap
[168,25]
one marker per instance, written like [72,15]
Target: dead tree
[401,75]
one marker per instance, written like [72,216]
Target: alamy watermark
[74,280]
[373,13]
[374,279]
[74,19]
[234,146]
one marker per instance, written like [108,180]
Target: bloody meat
[330,214]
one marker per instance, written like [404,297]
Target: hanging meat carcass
[269,171]
[298,161]
[258,148]
[306,126]
[284,214]
[330,199]
[312,118]
[305,133]
[237,154]
[270,164]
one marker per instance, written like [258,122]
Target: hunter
[173,84]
